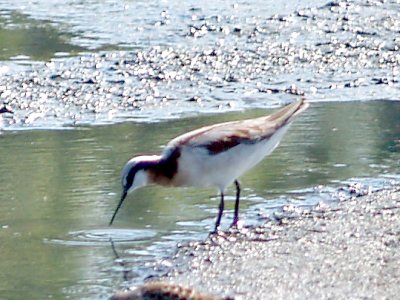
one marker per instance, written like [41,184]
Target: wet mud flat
[346,251]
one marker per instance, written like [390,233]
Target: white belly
[198,168]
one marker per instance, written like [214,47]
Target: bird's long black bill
[119,205]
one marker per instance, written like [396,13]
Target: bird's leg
[220,212]
[236,213]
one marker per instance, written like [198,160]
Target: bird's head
[135,175]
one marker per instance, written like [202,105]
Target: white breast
[198,168]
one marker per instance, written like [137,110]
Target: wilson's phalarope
[215,155]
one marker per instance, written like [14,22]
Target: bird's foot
[217,236]
[216,232]
[236,224]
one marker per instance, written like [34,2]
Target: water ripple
[100,237]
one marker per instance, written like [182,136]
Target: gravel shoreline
[345,251]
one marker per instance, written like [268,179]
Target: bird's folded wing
[221,137]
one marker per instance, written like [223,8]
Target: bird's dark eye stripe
[132,173]
[130,177]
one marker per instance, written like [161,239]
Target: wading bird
[215,155]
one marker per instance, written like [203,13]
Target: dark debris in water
[342,51]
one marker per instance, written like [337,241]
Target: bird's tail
[289,112]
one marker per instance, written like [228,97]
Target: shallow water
[59,189]
[135,24]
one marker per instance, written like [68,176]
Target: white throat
[141,180]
